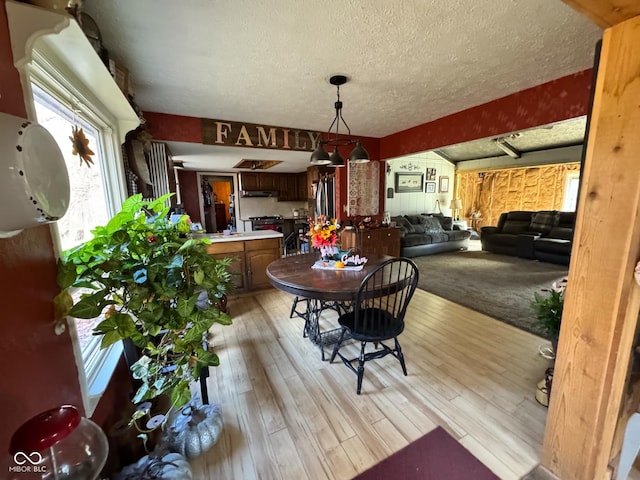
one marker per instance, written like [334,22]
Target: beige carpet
[500,286]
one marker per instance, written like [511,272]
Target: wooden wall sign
[239,134]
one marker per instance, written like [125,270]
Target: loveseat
[545,235]
[425,234]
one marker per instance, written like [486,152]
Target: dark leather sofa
[544,235]
[426,234]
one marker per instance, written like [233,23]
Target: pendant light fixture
[320,156]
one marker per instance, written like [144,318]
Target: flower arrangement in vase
[324,233]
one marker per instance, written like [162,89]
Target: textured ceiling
[409,62]
[560,134]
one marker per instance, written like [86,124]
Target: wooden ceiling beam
[606,13]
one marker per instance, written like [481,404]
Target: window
[96,194]
[571,192]
[87,206]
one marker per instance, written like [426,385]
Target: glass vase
[329,252]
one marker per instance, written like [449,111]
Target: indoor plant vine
[153,286]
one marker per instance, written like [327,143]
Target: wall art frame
[409,182]
[431,187]
[443,184]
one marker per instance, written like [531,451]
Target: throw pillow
[415,219]
[543,221]
[446,222]
[403,224]
[417,222]
[418,227]
[432,225]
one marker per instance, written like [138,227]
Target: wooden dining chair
[378,314]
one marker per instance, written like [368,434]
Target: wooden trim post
[602,298]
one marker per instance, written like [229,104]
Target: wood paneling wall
[493,192]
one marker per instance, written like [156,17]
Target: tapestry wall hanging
[363,183]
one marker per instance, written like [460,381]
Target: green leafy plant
[155,287]
[548,309]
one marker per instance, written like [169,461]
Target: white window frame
[94,374]
[569,179]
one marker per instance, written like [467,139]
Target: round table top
[294,275]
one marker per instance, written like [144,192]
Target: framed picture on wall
[431,187]
[444,184]
[409,182]
[431,174]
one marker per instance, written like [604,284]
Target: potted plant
[154,287]
[548,310]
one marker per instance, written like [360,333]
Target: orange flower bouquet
[324,233]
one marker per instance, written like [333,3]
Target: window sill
[99,383]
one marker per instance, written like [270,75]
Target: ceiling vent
[256,164]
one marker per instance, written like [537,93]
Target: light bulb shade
[336,158]
[320,156]
[359,154]
[456,204]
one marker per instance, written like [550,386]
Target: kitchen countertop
[238,236]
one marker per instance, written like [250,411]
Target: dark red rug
[435,456]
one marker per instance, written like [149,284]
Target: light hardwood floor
[289,415]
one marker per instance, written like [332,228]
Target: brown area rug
[500,286]
[435,456]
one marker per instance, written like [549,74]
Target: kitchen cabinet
[303,189]
[250,260]
[291,187]
[257,181]
[284,187]
[233,250]
[383,241]
[259,254]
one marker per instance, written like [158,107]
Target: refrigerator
[324,192]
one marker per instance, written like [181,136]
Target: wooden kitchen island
[251,251]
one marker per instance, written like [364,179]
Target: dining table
[324,287]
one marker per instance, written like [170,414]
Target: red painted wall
[560,99]
[37,367]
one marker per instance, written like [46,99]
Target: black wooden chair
[378,313]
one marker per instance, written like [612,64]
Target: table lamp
[456,204]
